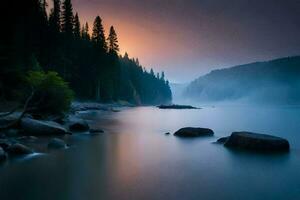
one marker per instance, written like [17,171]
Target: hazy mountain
[276,81]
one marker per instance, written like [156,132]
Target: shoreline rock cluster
[49,134]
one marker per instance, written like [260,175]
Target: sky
[189,38]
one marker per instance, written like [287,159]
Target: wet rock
[256,141]
[174,106]
[78,125]
[96,131]
[3,155]
[193,132]
[42,128]
[4,143]
[57,143]
[12,132]
[28,138]
[10,118]
[222,140]
[2,136]
[19,149]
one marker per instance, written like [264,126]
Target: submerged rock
[256,141]
[42,128]
[78,125]
[3,155]
[57,143]
[96,131]
[19,149]
[193,132]
[222,140]
[174,106]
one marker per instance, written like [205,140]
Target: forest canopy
[86,58]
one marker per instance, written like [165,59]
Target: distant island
[276,81]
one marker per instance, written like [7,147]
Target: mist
[273,82]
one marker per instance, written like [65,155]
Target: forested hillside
[84,55]
[276,81]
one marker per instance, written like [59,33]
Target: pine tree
[86,32]
[43,5]
[55,14]
[76,26]
[113,46]
[162,77]
[67,17]
[98,36]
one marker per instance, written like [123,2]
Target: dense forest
[83,55]
[276,81]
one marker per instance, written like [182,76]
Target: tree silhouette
[76,26]
[98,36]
[67,18]
[113,46]
[54,18]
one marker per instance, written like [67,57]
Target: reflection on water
[134,159]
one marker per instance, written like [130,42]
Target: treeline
[59,41]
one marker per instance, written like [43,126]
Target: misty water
[134,159]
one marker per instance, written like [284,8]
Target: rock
[57,143]
[167,133]
[19,149]
[256,141]
[173,106]
[79,125]
[222,140]
[28,138]
[42,128]
[3,155]
[12,132]
[4,143]
[10,118]
[2,136]
[96,131]
[193,132]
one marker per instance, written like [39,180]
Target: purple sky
[187,38]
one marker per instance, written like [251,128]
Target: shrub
[52,94]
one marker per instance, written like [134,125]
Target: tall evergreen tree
[98,36]
[86,32]
[55,15]
[67,17]
[76,26]
[113,46]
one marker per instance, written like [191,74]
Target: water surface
[134,159]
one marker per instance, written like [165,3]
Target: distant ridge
[274,81]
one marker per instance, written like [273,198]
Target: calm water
[134,159]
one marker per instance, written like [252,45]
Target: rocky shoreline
[35,135]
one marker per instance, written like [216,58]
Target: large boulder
[56,143]
[3,155]
[19,149]
[41,128]
[78,125]
[193,132]
[256,141]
